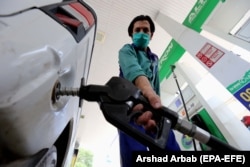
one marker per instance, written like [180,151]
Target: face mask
[141,40]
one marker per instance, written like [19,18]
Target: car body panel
[36,53]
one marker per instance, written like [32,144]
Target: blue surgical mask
[141,40]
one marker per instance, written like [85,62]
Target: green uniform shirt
[134,62]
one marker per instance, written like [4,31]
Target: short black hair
[141,18]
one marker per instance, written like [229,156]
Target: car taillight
[76,17]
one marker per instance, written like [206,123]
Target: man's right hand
[148,92]
[146,118]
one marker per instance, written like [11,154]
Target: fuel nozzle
[115,99]
[67,92]
[86,92]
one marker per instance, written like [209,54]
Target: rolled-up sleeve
[128,62]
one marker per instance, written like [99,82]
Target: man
[140,66]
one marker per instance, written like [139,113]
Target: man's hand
[148,92]
[146,118]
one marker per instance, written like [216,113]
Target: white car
[42,43]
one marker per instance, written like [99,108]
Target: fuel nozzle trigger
[117,109]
